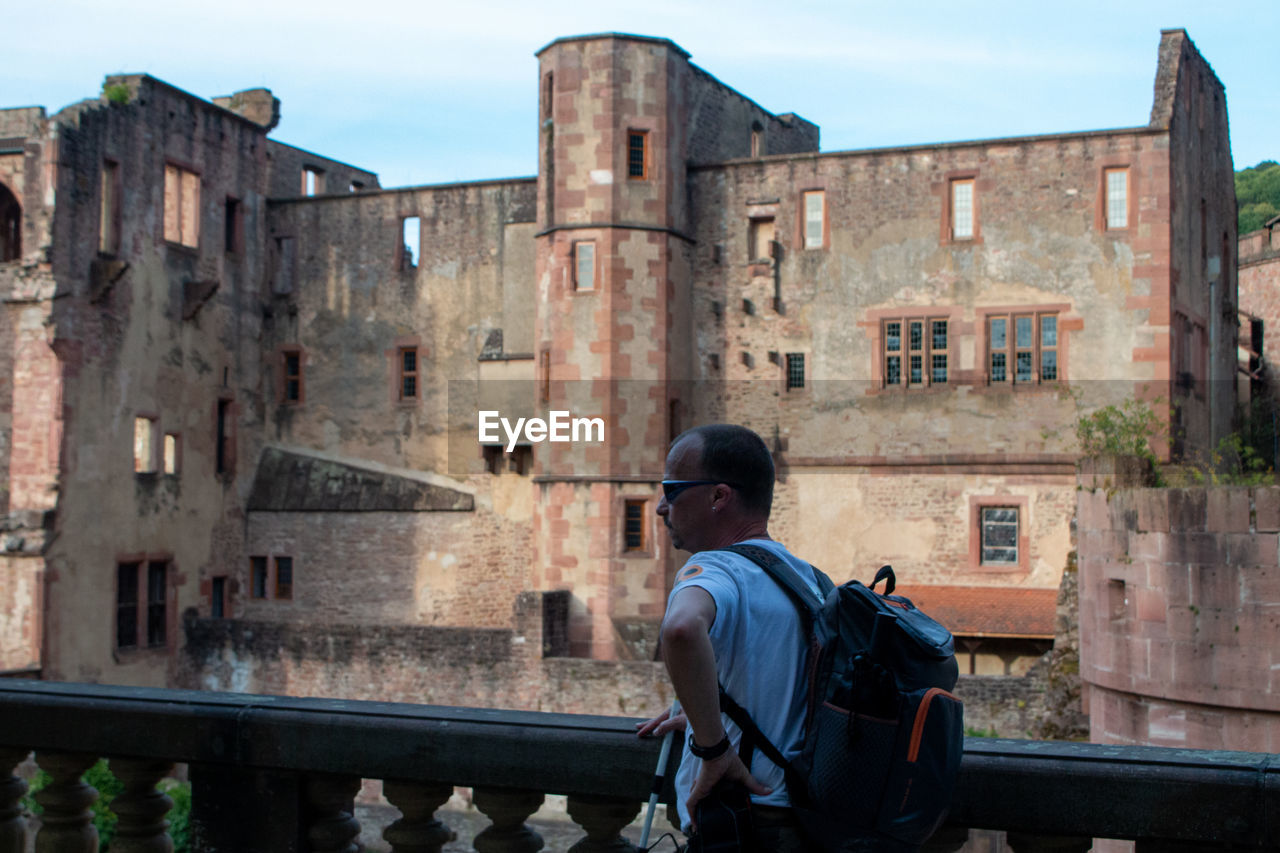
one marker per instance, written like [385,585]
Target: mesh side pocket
[850,760]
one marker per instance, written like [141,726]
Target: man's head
[724,487]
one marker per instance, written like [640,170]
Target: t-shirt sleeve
[705,571]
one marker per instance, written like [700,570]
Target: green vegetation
[108,787]
[116,93]
[1257,195]
[1124,430]
[970,731]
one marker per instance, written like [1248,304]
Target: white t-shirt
[760,645]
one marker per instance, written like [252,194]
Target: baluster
[142,827]
[507,809]
[332,828]
[417,830]
[13,827]
[1024,842]
[603,819]
[947,839]
[66,826]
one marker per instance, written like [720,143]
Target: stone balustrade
[275,774]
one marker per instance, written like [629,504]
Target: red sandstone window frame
[806,239]
[636,540]
[258,577]
[179,184]
[898,347]
[292,385]
[1037,349]
[637,167]
[408,373]
[1102,219]
[283,578]
[1021,503]
[948,224]
[577,257]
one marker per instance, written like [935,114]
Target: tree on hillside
[1257,195]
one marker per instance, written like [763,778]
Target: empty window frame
[814,211]
[760,234]
[109,213]
[291,386]
[1023,348]
[284,578]
[637,155]
[181,206]
[144,444]
[410,242]
[1116,185]
[963,209]
[141,603]
[407,373]
[633,526]
[172,453]
[998,529]
[312,181]
[795,371]
[584,265]
[916,352]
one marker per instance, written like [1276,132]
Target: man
[728,621]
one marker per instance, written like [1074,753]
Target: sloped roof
[984,611]
[288,481]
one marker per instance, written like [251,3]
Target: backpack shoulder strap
[806,604]
[784,576]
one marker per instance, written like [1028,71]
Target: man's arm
[691,663]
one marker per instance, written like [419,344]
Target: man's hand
[662,724]
[728,766]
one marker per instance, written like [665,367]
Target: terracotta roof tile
[984,611]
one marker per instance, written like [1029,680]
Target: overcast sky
[431,92]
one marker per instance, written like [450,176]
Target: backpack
[883,734]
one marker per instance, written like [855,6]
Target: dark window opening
[157,574]
[292,377]
[231,224]
[218,602]
[10,226]
[555,624]
[223,436]
[258,577]
[408,373]
[127,605]
[795,370]
[284,578]
[637,155]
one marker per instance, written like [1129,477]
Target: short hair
[735,455]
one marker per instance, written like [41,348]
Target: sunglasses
[671,489]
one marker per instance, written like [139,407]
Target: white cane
[659,778]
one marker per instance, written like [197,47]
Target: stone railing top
[1042,787]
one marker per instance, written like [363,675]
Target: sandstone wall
[1179,620]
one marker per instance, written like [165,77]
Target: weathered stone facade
[1179,626]
[298,358]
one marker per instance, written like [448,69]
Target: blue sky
[431,92]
